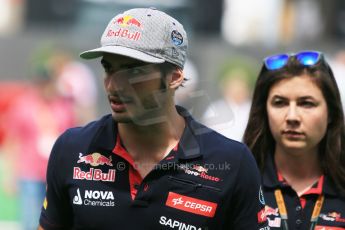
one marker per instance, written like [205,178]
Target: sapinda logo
[175,224]
[94,198]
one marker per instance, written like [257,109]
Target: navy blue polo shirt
[206,182]
[299,209]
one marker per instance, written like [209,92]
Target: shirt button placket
[298,222]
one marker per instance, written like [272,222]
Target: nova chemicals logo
[94,198]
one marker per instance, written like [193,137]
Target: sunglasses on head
[306,58]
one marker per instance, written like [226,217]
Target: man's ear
[177,77]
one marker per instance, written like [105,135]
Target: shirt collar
[269,175]
[188,148]
[271,179]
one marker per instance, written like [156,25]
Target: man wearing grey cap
[148,165]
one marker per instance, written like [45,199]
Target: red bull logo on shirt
[94,174]
[95,159]
[272,216]
[333,217]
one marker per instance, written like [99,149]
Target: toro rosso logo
[198,171]
[128,21]
[95,159]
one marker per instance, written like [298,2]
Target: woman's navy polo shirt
[206,182]
[299,209]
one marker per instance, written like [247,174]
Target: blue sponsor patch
[176,37]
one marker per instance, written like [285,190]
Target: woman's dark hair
[259,138]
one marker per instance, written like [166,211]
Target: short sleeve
[56,211]
[248,202]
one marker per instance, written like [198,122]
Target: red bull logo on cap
[128,20]
[95,159]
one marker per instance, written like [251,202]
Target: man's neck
[152,141]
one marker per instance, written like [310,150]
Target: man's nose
[114,83]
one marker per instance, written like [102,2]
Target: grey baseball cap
[145,34]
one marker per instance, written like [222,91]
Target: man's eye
[135,71]
[108,69]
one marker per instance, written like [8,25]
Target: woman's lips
[291,134]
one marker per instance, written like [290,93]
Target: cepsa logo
[190,204]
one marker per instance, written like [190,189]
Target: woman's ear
[177,77]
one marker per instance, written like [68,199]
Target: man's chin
[121,118]
[140,121]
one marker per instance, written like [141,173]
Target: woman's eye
[278,103]
[307,104]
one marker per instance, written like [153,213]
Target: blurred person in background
[229,114]
[77,82]
[338,66]
[297,135]
[32,122]
[9,91]
[144,165]
[243,25]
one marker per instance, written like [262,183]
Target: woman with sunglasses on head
[297,135]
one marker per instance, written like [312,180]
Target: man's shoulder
[84,135]
[212,140]
[91,127]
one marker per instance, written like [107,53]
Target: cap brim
[120,50]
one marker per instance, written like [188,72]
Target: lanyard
[283,213]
